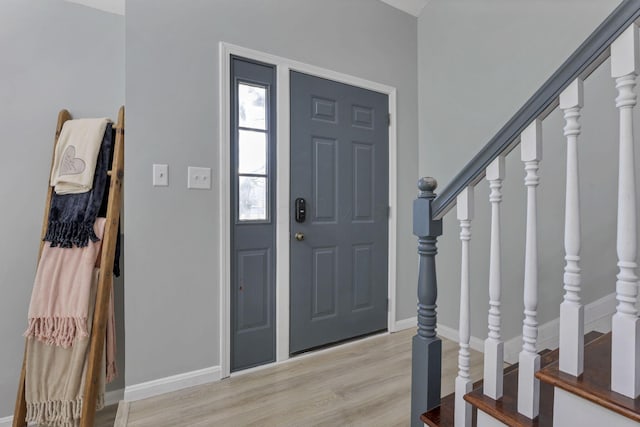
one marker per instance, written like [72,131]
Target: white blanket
[76,154]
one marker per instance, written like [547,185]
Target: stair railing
[617,37]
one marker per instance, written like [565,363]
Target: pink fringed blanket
[60,297]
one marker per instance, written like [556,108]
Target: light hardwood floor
[367,382]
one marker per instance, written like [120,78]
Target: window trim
[236,128]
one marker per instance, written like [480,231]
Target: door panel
[253,163]
[339,165]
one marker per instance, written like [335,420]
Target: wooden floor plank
[363,383]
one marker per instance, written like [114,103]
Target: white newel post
[625,364]
[571,310]
[493,345]
[529,360]
[464,384]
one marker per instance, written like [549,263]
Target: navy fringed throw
[72,216]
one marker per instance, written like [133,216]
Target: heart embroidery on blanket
[70,164]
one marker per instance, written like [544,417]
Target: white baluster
[493,345]
[571,311]
[464,384]
[529,360]
[625,364]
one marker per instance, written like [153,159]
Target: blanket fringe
[70,234]
[112,372]
[59,331]
[58,413]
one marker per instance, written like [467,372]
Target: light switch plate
[160,175]
[199,178]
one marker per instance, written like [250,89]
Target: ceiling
[412,7]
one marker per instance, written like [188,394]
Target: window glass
[252,198]
[251,104]
[252,152]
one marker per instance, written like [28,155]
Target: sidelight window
[252,166]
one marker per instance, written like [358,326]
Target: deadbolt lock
[299,237]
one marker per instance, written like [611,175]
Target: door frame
[282,205]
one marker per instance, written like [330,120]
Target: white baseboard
[113,397]
[597,317]
[444,331]
[172,383]
[451,334]
[401,325]
[110,398]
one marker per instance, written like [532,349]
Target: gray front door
[339,166]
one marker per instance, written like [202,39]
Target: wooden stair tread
[595,383]
[443,415]
[506,409]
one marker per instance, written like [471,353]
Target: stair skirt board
[486,420]
[122,415]
[597,317]
[570,409]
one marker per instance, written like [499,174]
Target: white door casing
[284,66]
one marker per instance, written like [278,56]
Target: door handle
[299,236]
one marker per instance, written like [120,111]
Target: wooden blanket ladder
[98,331]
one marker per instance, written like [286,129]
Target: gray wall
[172,105]
[479,61]
[54,55]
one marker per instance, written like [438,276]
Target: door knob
[299,237]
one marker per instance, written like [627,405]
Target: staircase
[593,385]
[592,379]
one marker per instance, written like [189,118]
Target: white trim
[6,421]
[283,67]
[570,409]
[223,211]
[173,383]
[401,325]
[597,317]
[487,420]
[282,214]
[113,397]
[452,335]
[393,210]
